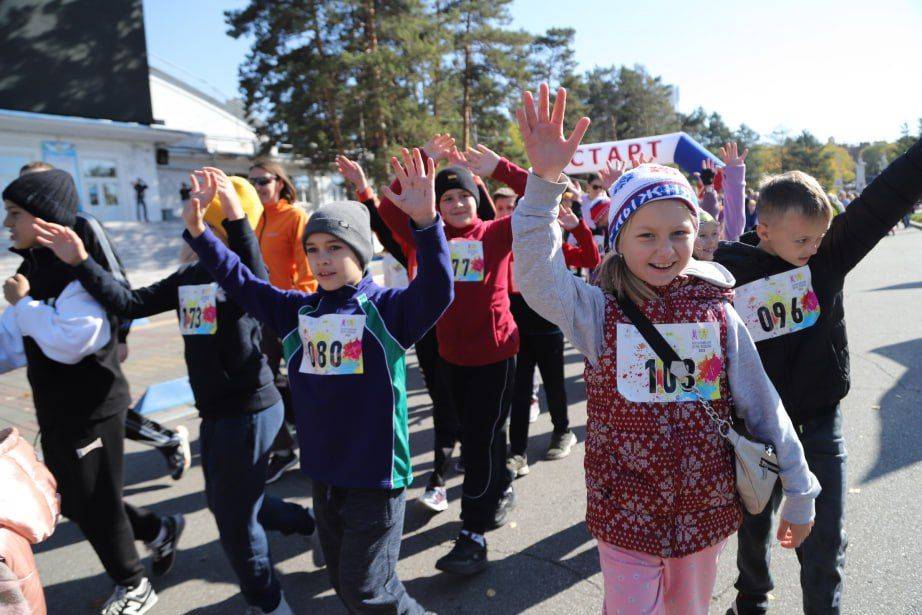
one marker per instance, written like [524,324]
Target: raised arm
[411,312]
[257,297]
[878,209]
[734,191]
[101,284]
[485,162]
[586,252]
[548,287]
[240,236]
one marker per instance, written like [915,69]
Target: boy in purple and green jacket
[345,347]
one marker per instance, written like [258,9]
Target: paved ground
[545,562]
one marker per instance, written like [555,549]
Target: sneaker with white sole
[435,499]
[131,600]
[279,463]
[179,455]
[518,466]
[561,444]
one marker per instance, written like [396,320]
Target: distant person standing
[184,191]
[140,205]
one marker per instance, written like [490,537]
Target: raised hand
[612,172]
[439,147]
[565,216]
[352,172]
[15,288]
[203,192]
[542,132]
[729,153]
[62,240]
[457,158]
[231,206]
[640,159]
[481,161]
[417,188]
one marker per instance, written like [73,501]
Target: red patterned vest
[659,477]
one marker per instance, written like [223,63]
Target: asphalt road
[545,561]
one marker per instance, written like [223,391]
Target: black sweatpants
[86,459]
[544,350]
[445,421]
[482,395]
[271,346]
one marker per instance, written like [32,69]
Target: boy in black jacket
[789,293]
[69,347]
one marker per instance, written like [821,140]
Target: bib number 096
[780,311]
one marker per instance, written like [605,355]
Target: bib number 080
[780,311]
[320,354]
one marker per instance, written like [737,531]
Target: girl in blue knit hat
[660,478]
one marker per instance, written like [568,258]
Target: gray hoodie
[578,308]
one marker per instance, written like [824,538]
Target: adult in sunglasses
[280,231]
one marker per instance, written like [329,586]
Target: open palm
[417,187]
[542,132]
[204,188]
[61,240]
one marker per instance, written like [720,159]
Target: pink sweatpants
[638,583]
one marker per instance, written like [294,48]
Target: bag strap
[661,347]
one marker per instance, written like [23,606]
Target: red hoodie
[478,328]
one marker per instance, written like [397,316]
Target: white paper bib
[198,309]
[640,371]
[332,344]
[778,305]
[466,260]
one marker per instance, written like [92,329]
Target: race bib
[332,344]
[641,377]
[467,260]
[198,309]
[778,305]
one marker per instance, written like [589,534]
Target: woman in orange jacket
[280,231]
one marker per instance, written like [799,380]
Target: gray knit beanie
[348,220]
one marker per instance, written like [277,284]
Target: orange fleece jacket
[280,231]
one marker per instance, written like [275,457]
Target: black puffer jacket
[810,368]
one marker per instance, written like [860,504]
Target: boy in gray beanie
[345,347]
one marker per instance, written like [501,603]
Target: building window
[101,178]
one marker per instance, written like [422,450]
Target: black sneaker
[505,506]
[467,557]
[164,551]
[178,455]
[279,463]
[131,600]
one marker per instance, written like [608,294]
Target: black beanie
[455,177]
[49,195]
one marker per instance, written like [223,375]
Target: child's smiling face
[19,221]
[792,236]
[332,261]
[657,241]
[706,243]
[458,207]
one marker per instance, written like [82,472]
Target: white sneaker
[534,410]
[131,601]
[435,499]
[281,609]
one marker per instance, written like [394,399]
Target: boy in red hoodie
[478,341]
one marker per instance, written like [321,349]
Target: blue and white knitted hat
[645,184]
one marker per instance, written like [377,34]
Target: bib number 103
[660,380]
[781,314]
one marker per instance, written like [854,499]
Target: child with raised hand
[660,479]
[345,347]
[234,389]
[789,294]
[478,341]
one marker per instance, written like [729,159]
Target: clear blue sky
[848,69]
